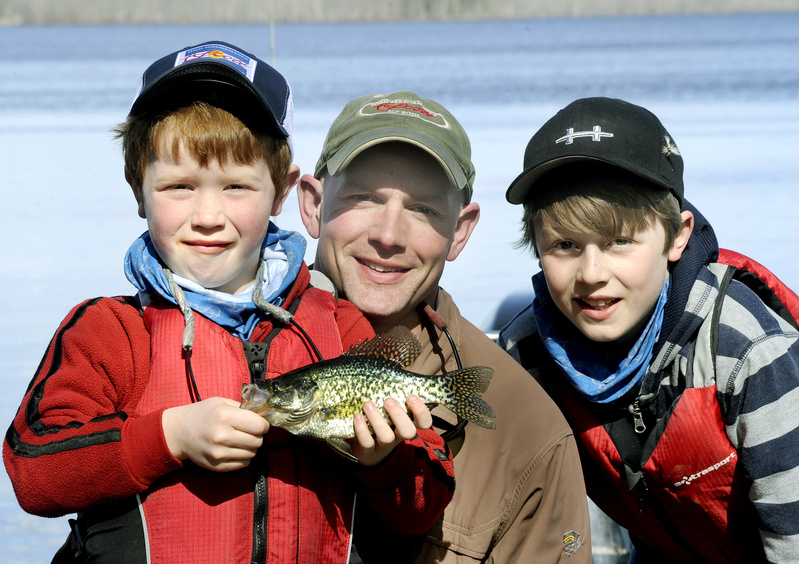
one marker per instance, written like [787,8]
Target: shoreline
[46,12]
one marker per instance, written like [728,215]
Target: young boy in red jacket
[133,420]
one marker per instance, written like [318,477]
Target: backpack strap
[256,351]
[699,359]
[724,284]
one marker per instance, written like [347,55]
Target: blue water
[727,88]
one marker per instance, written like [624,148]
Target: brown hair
[208,133]
[598,198]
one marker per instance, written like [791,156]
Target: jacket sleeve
[76,440]
[758,392]
[411,488]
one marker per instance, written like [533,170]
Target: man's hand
[214,433]
[371,450]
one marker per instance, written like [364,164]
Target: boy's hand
[371,450]
[214,433]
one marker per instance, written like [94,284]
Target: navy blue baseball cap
[224,76]
[607,130]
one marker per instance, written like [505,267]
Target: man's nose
[389,229]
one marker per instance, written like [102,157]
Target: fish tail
[467,384]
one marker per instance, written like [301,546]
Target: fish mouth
[254,407]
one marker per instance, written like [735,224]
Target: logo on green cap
[413,108]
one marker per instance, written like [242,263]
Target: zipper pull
[638,419]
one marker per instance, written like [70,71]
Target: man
[390,203]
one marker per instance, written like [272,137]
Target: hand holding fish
[375,438]
[326,400]
[214,433]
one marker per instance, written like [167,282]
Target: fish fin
[397,344]
[467,384]
[343,448]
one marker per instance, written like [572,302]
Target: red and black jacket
[88,439]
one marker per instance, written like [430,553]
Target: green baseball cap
[401,116]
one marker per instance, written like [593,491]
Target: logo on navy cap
[220,54]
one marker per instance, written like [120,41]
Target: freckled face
[607,288]
[208,223]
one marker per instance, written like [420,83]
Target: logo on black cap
[596,134]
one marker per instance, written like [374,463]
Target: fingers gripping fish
[320,400]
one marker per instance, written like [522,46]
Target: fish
[319,400]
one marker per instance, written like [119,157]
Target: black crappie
[320,400]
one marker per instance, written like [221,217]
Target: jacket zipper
[638,418]
[255,353]
[259,519]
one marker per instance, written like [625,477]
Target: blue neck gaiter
[586,363]
[282,256]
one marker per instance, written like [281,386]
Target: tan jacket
[520,495]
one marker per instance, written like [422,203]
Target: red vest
[254,512]
[697,495]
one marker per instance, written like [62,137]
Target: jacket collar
[702,249]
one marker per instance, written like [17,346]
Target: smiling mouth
[207,247]
[380,268]
[598,304]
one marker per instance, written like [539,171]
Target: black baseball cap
[607,130]
[224,76]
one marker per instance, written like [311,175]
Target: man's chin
[383,315]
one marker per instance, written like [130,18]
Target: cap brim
[359,143]
[211,82]
[518,189]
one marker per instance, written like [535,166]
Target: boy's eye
[564,245]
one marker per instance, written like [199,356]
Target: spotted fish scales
[320,400]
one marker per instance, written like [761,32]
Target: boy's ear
[309,193]
[467,221]
[682,237]
[280,196]
[136,193]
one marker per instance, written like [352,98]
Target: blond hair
[593,197]
[208,133]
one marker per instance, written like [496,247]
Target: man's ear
[467,221]
[682,237]
[280,197]
[309,194]
[136,193]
